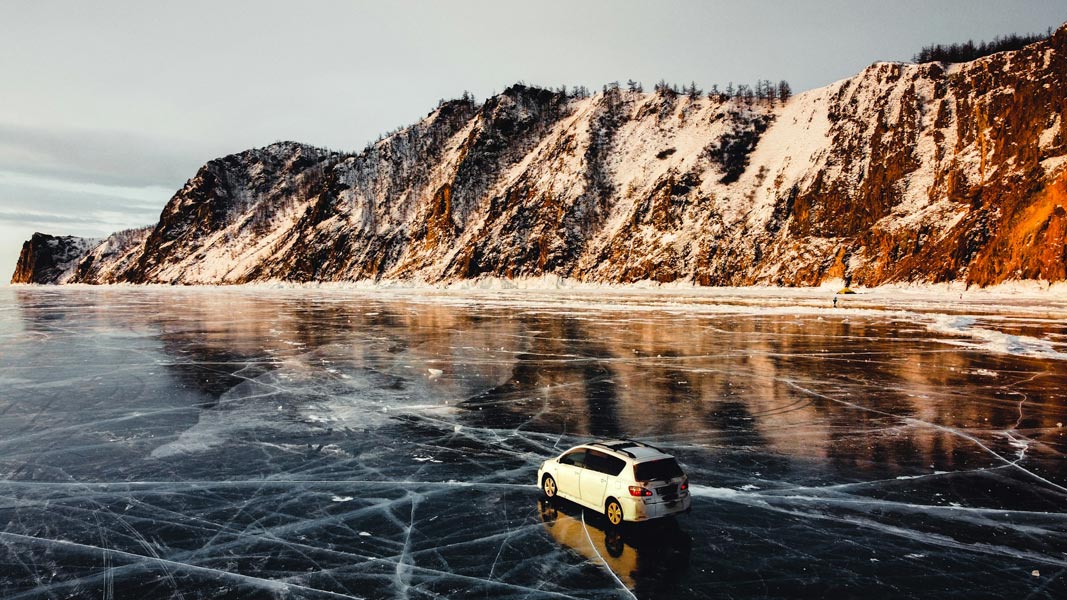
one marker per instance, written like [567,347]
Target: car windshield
[655,470]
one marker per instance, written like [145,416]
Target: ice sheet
[325,443]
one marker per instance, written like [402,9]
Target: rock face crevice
[903,173]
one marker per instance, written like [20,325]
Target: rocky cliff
[50,259]
[931,172]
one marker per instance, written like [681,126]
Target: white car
[625,480]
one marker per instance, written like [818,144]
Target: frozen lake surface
[323,443]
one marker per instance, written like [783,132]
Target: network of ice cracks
[300,445]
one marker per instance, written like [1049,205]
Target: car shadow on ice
[642,556]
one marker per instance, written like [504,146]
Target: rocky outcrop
[904,173]
[50,259]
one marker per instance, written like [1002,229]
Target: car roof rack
[621,445]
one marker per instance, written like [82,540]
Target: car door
[594,478]
[569,474]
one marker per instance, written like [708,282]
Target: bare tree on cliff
[768,92]
[745,92]
[784,91]
[761,89]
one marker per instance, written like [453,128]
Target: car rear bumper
[636,509]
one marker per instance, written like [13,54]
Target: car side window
[613,465]
[576,458]
[604,463]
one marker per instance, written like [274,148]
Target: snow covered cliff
[905,172]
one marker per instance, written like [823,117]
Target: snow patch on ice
[991,340]
[704,491]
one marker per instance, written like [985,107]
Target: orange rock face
[1003,175]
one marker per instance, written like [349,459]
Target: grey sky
[106,108]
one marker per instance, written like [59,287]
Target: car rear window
[655,470]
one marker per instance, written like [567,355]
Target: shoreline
[1020,288]
[1014,299]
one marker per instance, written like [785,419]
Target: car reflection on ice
[651,556]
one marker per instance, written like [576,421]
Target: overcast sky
[106,108]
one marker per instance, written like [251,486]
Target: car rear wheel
[613,511]
[549,486]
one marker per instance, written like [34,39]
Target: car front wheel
[614,512]
[549,486]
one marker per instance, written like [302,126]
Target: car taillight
[685,484]
[636,490]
